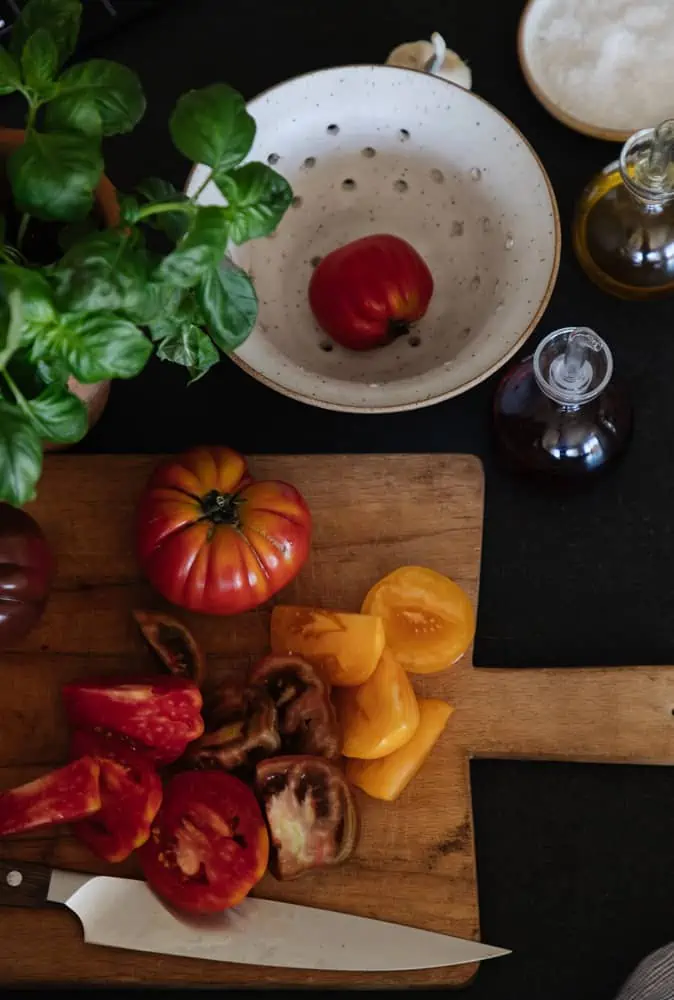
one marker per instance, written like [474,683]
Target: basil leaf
[108,89]
[58,415]
[174,224]
[212,126]
[257,198]
[183,311]
[190,347]
[37,306]
[12,333]
[20,456]
[39,60]
[59,18]
[53,175]
[94,346]
[202,247]
[10,78]
[106,270]
[229,304]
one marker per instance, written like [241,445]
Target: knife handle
[23,883]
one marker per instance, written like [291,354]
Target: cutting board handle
[23,883]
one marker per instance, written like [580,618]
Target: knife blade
[125,913]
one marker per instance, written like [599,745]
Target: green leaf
[58,415]
[174,224]
[183,311]
[10,77]
[212,126]
[37,306]
[39,60]
[94,346]
[97,91]
[60,18]
[20,456]
[257,198]
[53,175]
[190,347]
[12,333]
[229,304]
[105,270]
[202,247]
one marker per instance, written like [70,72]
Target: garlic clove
[432,57]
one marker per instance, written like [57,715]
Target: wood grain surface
[415,860]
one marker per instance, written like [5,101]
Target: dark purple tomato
[26,573]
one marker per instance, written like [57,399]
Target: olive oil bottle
[623,230]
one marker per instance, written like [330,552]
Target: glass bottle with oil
[623,231]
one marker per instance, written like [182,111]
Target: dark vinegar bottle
[558,412]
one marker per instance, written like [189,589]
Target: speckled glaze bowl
[376,149]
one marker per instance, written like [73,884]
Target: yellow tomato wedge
[346,648]
[379,716]
[428,619]
[387,777]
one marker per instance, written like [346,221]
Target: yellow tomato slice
[346,648]
[387,777]
[379,716]
[428,619]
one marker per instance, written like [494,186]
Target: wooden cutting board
[415,862]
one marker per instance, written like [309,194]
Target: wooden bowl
[377,149]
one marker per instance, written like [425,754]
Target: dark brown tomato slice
[310,812]
[238,745]
[70,793]
[307,720]
[174,644]
[208,845]
[160,715]
[131,793]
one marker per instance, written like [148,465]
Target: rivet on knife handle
[23,883]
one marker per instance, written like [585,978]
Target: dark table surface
[575,862]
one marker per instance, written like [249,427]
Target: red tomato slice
[208,846]
[160,715]
[131,794]
[68,794]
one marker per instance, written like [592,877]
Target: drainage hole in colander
[332,129]
[315,261]
[348,184]
[437,176]
[414,340]
[297,201]
[273,158]
[326,345]
[404,134]
[369,152]
[400,185]
[310,162]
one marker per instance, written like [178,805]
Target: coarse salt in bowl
[376,149]
[602,67]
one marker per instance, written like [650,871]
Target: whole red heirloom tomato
[211,539]
[208,845]
[26,571]
[368,292]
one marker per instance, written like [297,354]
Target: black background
[575,862]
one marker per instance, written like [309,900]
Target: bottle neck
[572,366]
[647,165]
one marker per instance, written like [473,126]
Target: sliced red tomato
[160,715]
[70,793]
[208,845]
[131,794]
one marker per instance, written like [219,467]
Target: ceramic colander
[376,149]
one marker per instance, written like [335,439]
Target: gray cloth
[653,979]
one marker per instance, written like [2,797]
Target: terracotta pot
[93,396]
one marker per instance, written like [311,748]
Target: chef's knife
[124,913]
